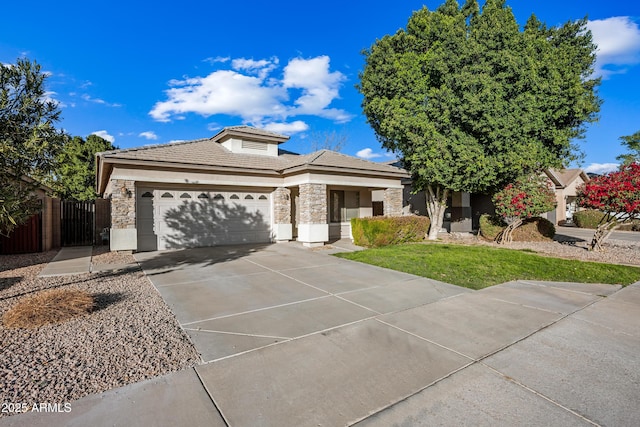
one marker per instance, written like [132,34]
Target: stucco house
[566,182]
[464,209]
[239,187]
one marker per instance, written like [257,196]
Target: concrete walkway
[360,344]
[69,260]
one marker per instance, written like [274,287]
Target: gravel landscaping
[130,336]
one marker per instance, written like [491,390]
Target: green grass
[477,267]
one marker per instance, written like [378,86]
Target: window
[234,197]
[218,197]
[185,196]
[147,194]
[167,195]
[203,196]
[343,205]
[263,197]
[248,197]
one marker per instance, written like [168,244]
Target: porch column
[123,235]
[392,202]
[282,227]
[313,229]
[461,220]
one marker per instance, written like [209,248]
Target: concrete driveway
[294,337]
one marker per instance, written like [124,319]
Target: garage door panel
[186,218]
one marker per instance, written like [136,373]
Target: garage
[186,218]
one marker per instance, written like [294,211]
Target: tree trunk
[506,235]
[436,205]
[601,234]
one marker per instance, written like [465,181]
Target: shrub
[589,218]
[382,231]
[532,230]
[51,306]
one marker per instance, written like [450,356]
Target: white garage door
[172,219]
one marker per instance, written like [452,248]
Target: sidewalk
[77,260]
[522,352]
[70,260]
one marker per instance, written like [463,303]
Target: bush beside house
[532,230]
[591,218]
[382,231]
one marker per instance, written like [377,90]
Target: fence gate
[77,222]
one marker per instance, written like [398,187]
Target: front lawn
[477,267]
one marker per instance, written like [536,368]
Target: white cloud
[601,168]
[618,41]
[211,60]
[368,154]
[287,128]
[148,135]
[88,98]
[104,134]
[251,91]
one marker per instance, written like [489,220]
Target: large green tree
[75,174]
[29,141]
[633,144]
[472,102]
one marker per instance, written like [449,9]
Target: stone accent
[392,202]
[123,203]
[282,206]
[313,204]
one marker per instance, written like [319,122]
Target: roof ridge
[152,146]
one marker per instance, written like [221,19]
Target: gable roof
[209,154]
[565,177]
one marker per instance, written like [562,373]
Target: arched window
[147,195]
[218,197]
[263,197]
[248,197]
[167,195]
[234,197]
[185,196]
[203,196]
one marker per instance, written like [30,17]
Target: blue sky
[140,73]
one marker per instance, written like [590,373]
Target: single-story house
[239,187]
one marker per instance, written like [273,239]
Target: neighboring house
[464,209]
[566,182]
[238,187]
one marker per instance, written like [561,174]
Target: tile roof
[209,153]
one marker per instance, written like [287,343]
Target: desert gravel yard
[131,335]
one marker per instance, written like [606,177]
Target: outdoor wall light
[125,191]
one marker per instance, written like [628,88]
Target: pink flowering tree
[617,194]
[526,198]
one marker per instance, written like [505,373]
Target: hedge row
[381,231]
[532,230]
[588,218]
[591,219]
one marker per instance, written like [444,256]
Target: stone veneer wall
[392,202]
[282,206]
[313,204]
[123,206]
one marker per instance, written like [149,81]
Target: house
[238,187]
[464,209]
[566,182]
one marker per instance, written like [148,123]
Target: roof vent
[254,145]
